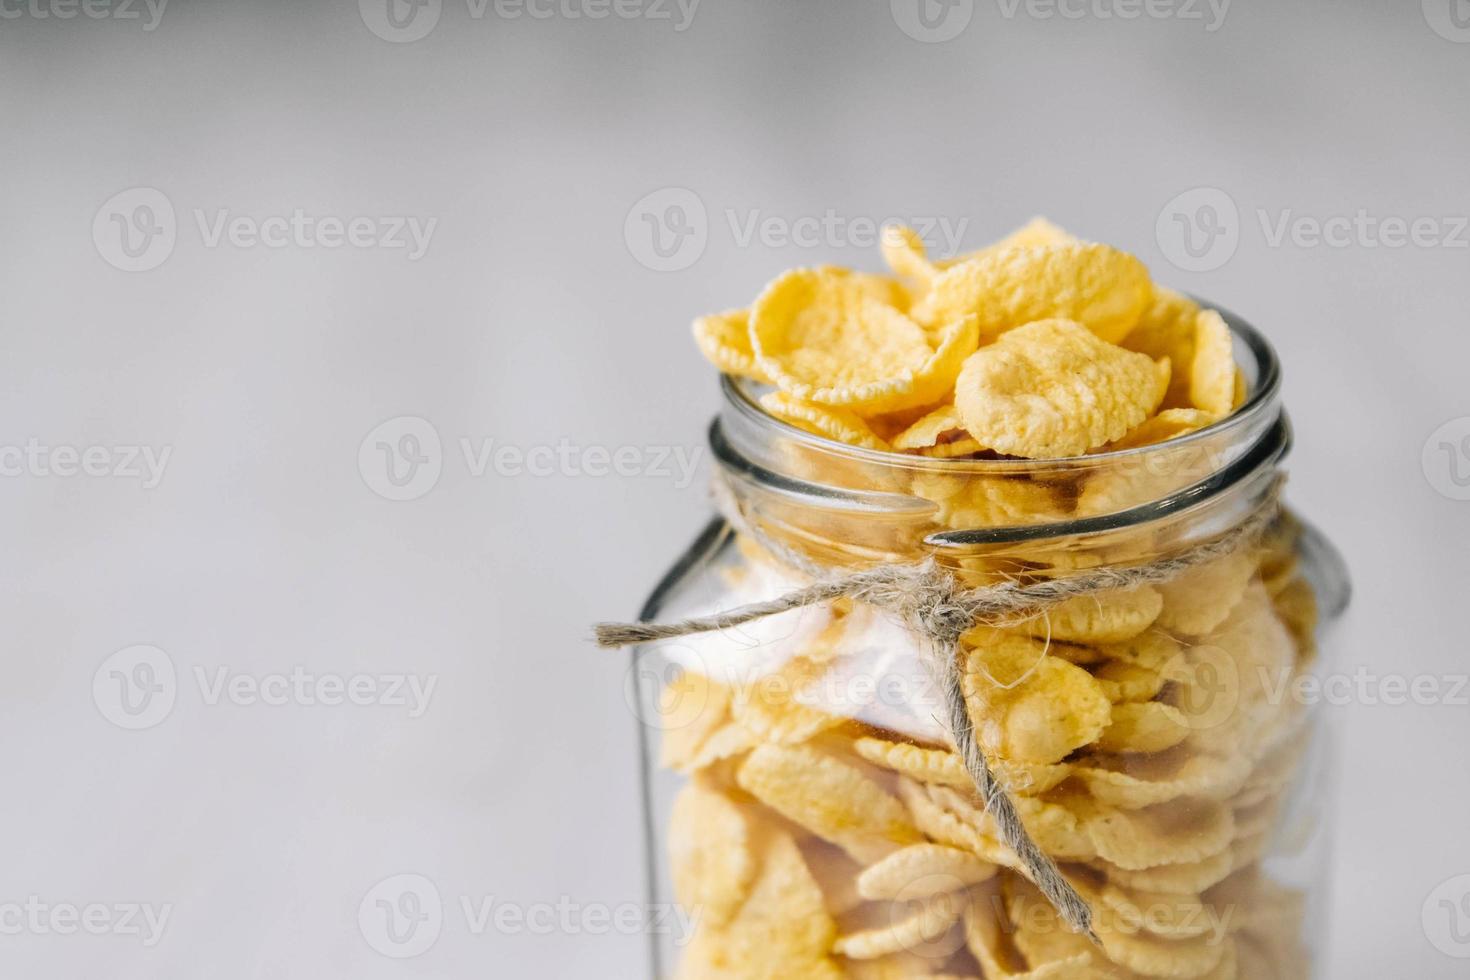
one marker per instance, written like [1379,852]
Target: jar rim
[1260,398]
[1258,434]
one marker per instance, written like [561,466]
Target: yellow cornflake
[692,708]
[1107,617]
[1144,727]
[1152,649]
[1127,950]
[770,706]
[1185,878]
[1212,374]
[941,425]
[933,918]
[1173,916]
[826,336]
[1242,390]
[906,255]
[1054,827]
[988,936]
[945,768]
[1167,329]
[836,873]
[1227,687]
[1257,818]
[1134,783]
[1169,833]
[1171,423]
[782,929]
[1124,682]
[822,420]
[1296,605]
[1053,389]
[724,339]
[968,502]
[726,742]
[1096,285]
[894,966]
[1040,934]
[904,251]
[1200,598]
[1194,958]
[710,853]
[961,448]
[938,435]
[1033,234]
[939,824]
[1029,707]
[921,871]
[831,798]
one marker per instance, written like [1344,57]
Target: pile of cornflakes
[1142,732]
[1040,346]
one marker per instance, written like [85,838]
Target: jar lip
[1261,398]
[1264,455]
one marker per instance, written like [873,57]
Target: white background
[530,320]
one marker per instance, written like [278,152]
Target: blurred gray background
[206,261]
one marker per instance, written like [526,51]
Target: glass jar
[804,806]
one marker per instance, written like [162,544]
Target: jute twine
[927,598]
